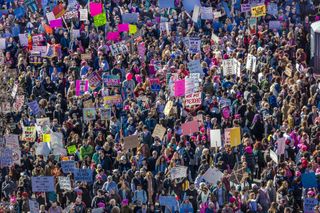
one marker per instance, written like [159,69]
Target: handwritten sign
[159,131]
[64,183]
[42,184]
[83,175]
[68,166]
[245,8]
[215,138]
[193,99]
[178,172]
[167,108]
[195,66]
[131,142]
[29,133]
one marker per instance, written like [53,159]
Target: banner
[215,138]
[193,99]
[42,184]
[81,87]
[258,11]
[84,175]
[111,80]
[28,133]
[178,172]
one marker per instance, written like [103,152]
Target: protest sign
[195,66]
[43,149]
[56,23]
[12,142]
[228,67]
[167,108]
[213,175]
[46,138]
[83,14]
[105,113]
[89,114]
[14,90]
[118,48]
[166,3]
[68,166]
[155,84]
[251,63]
[281,145]
[71,14]
[195,13]
[217,14]
[34,106]
[189,86]
[236,67]
[258,11]
[275,25]
[94,80]
[179,88]
[194,45]
[81,87]
[17,105]
[58,11]
[190,127]
[86,56]
[113,36]
[245,8]
[128,18]
[64,182]
[309,180]
[235,137]
[215,138]
[253,25]
[132,29]
[56,142]
[193,99]
[178,172]
[206,13]
[168,201]
[29,133]
[111,100]
[2,43]
[34,206]
[83,175]
[123,28]
[159,131]
[309,204]
[95,8]
[42,183]
[142,50]
[5,107]
[272,9]
[238,173]
[188,5]
[72,149]
[274,156]
[23,39]
[131,142]
[6,157]
[19,12]
[100,20]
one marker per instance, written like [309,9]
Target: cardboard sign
[193,99]
[159,131]
[215,138]
[29,133]
[68,166]
[213,175]
[178,172]
[190,127]
[258,11]
[167,108]
[64,183]
[42,184]
[235,137]
[131,142]
[84,175]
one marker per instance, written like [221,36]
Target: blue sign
[84,175]
[68,166]
[309,180]
[168,201]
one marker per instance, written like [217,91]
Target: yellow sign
[235,137]
[168,108]
[46,138]
[132,29]
[258,11]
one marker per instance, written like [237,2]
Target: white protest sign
[2,43]
[42,184]
[23,39]
[251,63]
[194,45]
[195,13]
[14,90]
[178,172]
[83,14]
[193,99]
[206,13]
[43,149]
[64,182]
[217,14]
[213,175]
[189,86]
[236,67]
[274,156]
[215,138]
[195,66]
[228,67]
[281,145]
[56,140]
[33,206]
[309,204]
[12,142]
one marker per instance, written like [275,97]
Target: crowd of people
[159,106]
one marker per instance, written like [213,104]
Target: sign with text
[42,184]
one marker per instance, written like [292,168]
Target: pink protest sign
[113,36]
[81,87]
[56,23]
[95,8]
[190,127]
[123,28]
[179,88]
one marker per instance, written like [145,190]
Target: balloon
[129,76]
